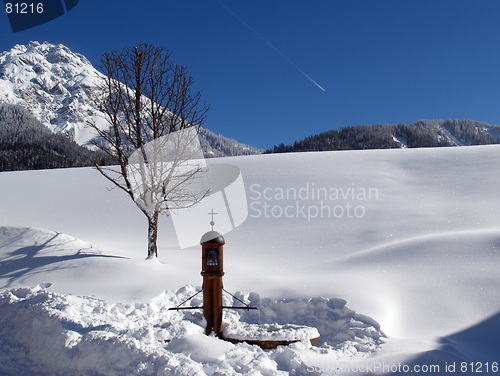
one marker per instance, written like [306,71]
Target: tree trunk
[152,235]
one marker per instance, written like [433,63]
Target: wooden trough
[269,336]
[267,344]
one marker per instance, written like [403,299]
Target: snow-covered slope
[56,84]
[409,238]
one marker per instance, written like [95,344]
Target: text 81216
[24,8]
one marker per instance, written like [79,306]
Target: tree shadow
[27,261]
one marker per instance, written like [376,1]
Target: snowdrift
[44,332]
[360,245]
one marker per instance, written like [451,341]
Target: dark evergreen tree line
[326,141]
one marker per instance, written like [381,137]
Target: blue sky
[262,64]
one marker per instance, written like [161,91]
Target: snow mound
[337,325]
[43,332]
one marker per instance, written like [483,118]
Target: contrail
[270,45]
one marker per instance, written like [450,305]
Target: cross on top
[212,223]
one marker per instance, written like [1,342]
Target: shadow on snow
[52,253]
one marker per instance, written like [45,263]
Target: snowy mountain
[55,85]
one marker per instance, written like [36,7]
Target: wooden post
[212,271]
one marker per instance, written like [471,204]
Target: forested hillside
[422,133]
[214,145]
[27,144]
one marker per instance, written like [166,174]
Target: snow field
[422,262]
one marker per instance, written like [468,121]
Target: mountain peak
[54,53]
[56,85]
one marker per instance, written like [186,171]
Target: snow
[406,276]
[270,332]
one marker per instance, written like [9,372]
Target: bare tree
[154,118]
